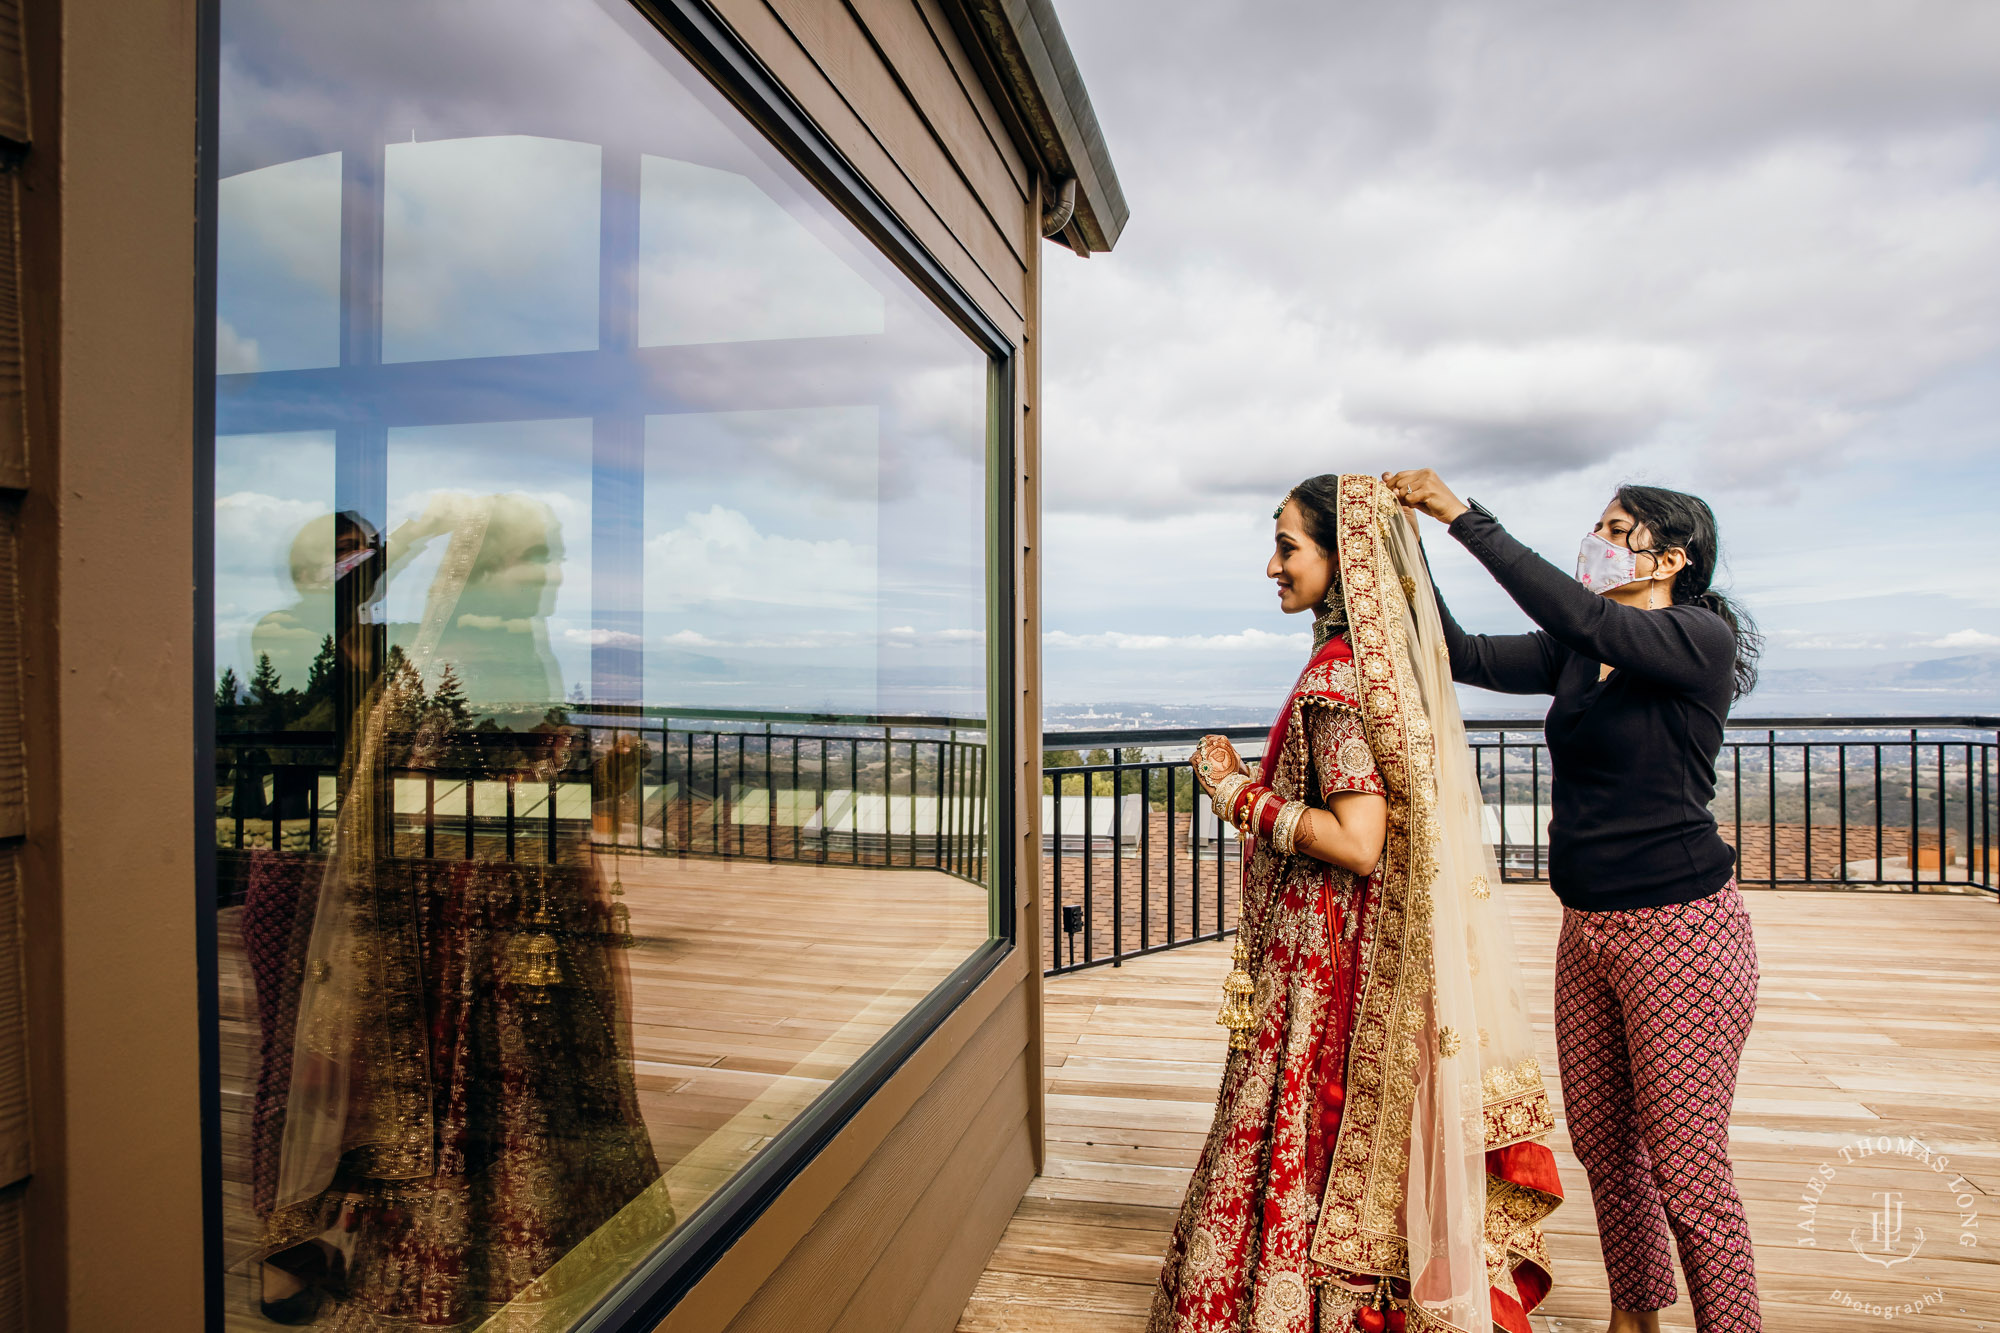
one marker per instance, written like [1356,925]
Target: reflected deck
[1875,1017]
[753,986]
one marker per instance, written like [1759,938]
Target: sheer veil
[1443,1068]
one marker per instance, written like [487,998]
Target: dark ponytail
[1672,519]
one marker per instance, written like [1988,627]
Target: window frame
[686,1255]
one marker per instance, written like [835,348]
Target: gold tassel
[1237,988]
[621,915]
[532,960]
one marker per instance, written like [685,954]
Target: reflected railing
[879,791]
[1135,862]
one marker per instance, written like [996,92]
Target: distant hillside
[1948,686]
[1944,685]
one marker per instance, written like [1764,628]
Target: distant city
[1947,686]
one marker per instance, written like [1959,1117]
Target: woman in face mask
[1656,971]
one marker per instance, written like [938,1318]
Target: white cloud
[1967,638]
[720,558]
[234,353]
[608,638]
[1249,640]
[1748,251]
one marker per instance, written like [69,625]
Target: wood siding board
[16,1158]
[13,401]
[773,43]
[1028,665]
[13,1278]
[807,1291]
[910,53]
[1003,131]
[13,774]
[763,1249]
[13,73]
[955,1273]
[890,1288]
[835,43]
[116,1202]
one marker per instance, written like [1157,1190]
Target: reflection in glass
[277,282]
[721,261]
[600,613]
[489,247]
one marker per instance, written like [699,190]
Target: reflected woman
[1656,970]
[456,1125]
[1376,1157]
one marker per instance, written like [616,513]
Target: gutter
[1030,65]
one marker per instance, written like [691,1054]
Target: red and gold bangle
[1285,827]
[1223,796]
[1239,806]
[1257,816]
[1254,812]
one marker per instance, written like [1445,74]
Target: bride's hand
[1214,759]
[1424,489]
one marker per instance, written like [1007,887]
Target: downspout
[1060,211]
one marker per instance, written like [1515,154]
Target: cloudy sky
[1750,250]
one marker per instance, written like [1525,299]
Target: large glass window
[600,600]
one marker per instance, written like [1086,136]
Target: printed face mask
[1602,566]
[353,560]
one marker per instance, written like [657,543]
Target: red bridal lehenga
[1378,1146]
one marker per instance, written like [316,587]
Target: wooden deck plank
[1875,1017]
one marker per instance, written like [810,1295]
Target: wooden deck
[1877,1019]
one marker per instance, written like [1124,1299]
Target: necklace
[1327,624]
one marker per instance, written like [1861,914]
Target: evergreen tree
[448,700]
[229,689]
[266,686]
[319,676]
[405,691]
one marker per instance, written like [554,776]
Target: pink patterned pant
[1652,1008]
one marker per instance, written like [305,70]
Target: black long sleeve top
[1633,754]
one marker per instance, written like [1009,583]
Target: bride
[1376,1157]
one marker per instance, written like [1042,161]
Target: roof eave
[1030,60]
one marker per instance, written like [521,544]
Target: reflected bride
[1376,1157]
[448,1129]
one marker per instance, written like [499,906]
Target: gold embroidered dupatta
[1437,1178]
[361,1077]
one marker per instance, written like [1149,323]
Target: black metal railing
[1133,860]
[874,791]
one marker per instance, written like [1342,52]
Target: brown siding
[882,116]
[1028,656]
[16,1142]
[16,1156]
[13,1278]
[857,1269]
[13,408]
[113,1218]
